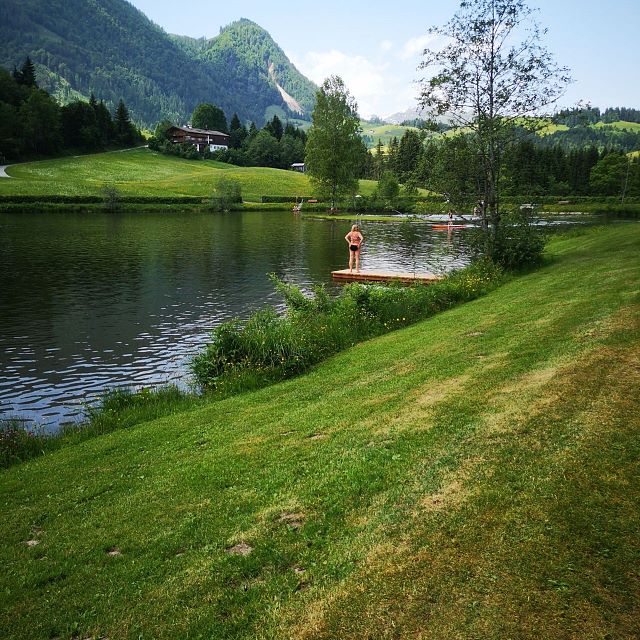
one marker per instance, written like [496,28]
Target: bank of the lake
[126,299]
[474,475]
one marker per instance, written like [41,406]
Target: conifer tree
[124,128]
[27,75]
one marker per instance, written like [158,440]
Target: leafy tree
[291,150]
[162,129]
[227,193]
[40,117]
[388,187]
[455,170]
[492,72]
[609,175]
[333,144]
[208,116]
[264,150]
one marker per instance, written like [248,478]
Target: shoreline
[197,204]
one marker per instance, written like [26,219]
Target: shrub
[518,244]
[227,193]
[111,197]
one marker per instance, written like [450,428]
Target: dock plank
[344,275]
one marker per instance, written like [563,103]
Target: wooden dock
[344,275]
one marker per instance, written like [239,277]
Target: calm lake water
[93,302]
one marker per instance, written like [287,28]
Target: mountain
[112,49]
[412,114]
[248,58]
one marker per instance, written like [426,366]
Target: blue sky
[376,46]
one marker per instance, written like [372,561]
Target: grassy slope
[144,173]
[620,124]
[473,476]
[383,132]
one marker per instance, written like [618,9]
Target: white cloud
[365,80]
[379,87]
[415,46]
[386,45]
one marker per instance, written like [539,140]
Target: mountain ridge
[115,51]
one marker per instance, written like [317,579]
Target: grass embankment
[142,172]
[472,476]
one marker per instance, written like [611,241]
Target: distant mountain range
[112,49]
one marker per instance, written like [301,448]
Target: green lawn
[142,172]
[472,476]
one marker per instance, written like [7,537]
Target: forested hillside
[112,49]
[243,53]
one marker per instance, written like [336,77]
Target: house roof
[204,132]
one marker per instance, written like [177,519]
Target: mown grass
[142,172]
[472,476]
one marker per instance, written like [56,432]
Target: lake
[92,302]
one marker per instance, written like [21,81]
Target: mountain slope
[249,58]
[113,49]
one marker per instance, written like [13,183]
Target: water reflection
[91,302]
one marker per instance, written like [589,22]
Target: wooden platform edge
[372,276]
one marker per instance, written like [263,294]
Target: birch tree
[490,73]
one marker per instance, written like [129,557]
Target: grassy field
[142,172]
[383,132]
[620,124]
[472,476]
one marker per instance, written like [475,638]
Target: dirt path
[3,173]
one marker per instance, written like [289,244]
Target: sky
[376,46]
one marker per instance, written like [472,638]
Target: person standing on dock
[354,239]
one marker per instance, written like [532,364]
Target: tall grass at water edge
[270,347]
[266,348]
[118,409]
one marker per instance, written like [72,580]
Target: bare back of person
[354,239]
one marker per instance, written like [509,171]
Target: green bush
[518,244]
[227,193]
[111,197]
[270,347]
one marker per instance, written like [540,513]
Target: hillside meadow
[472,476]
[141,172]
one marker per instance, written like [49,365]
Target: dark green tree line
[33,123]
